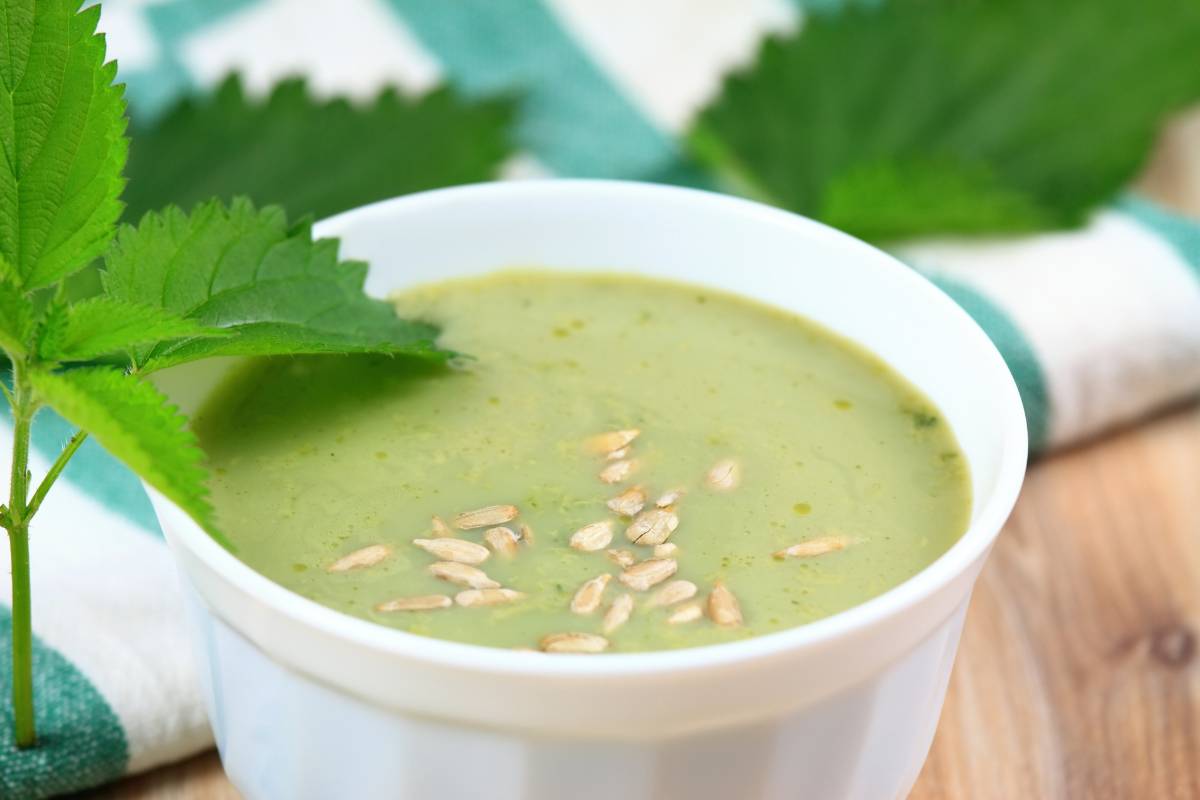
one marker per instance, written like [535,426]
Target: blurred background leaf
[312,157]
[917,117]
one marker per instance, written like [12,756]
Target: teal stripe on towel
[1015,349]
[573,119]
[151,90]
[80,740]
[1183,233]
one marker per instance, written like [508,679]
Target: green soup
[803,476]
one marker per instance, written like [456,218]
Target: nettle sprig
[222,280]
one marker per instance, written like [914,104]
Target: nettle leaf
[313,157]
[16,318]
[137,424]
[101,326]
[890,199]
[62,125]
[954,116]
[244,270]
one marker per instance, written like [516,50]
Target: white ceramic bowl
[309,703]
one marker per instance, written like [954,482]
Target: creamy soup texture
[754,471]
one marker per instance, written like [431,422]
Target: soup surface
[802,475]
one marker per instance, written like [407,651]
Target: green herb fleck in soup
[621,464]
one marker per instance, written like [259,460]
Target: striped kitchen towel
[1099,325]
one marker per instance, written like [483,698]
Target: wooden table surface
[1078,675]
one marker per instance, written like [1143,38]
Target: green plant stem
[55,470]
[18,541]
[22,638]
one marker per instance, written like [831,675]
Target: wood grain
[1078,676]
[199,778]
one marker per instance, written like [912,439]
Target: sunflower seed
[463,575]
[665,550]
[425,602]
[482,517]
[618,613]
[652,527]
[574,643]
[526,534]
[724,475]
[587,599]
[367,556]
[472,598]
[688,613]
[502,540]
[628,502]
[674,592]
[618,471]
[622,558]
[641,577]
[669,498]
[813,547]
[723,607]
[612,440]
[458,550]
[617,455]
[596,536]
[438,528]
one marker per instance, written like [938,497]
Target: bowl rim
[972,546]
